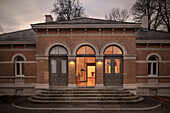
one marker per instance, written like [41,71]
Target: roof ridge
[16,31]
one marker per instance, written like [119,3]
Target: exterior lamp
[71,61]
[99,61]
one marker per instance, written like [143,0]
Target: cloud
[19,14]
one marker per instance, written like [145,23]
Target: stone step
[85,89]
[86,98]
[84,95]
[84,101]
[84,92]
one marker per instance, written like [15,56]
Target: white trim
[152,76]
[17,49]
[72,86]
[41,57]
[154,54]
[3,77]
[129,57]
[144,61]
[55,44]
[152,41]
[41,86]
[85,43]
[18,54]
[144,49]
[9,62]
[129,86]
[141,61]
[99,86]
[114,43]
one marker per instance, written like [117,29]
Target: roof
[85,20]
[144,34]
[23,35]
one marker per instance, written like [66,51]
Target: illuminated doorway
[85,66]
[113,66]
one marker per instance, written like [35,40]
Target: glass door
[113,71]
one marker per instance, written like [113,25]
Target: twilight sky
[19,14]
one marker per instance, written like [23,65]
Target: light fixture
[99,61]
[71,61]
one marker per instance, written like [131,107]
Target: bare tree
[158,13]
[1,29]
[118,15]
[67,9]
[163,8]
[142,7]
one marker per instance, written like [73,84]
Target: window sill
[19,76]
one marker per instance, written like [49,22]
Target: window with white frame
[19,65]
[153,66]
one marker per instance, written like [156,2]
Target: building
[85,52]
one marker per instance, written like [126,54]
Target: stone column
[71,71]
[99,72]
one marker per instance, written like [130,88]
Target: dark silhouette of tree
[118,15]
[67,9]
[158,12]
[1,29]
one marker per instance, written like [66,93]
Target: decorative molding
[9,62]
[129,58]
[55,44]
[99,86]
[17,49]
[152,49]
[154,54]
[17,42]
[43,57]
[123,48]
[4,77]
[41,86]
[152,41]
[88,44]
[129,86]
[147,77]
[72,86]
[145,61]
[18,54]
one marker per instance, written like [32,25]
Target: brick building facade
[85,52]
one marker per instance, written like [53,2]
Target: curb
[90,109]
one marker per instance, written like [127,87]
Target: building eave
[62,26]
[17,42]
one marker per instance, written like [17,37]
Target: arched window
[19,65]
[153,66]
[58,50]
[112,50]
[85,50]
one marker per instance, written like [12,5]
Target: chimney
[144,21]
[48,18]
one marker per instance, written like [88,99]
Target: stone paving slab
[147,104]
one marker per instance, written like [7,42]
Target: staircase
[85,95]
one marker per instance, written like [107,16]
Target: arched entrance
[85,66]
[113,66]
[58,66]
